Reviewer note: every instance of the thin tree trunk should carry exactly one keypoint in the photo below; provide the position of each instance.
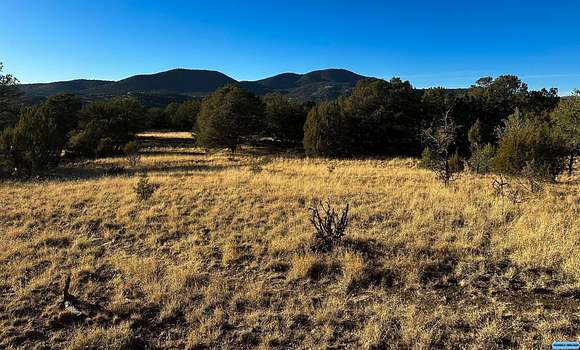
(571, 165)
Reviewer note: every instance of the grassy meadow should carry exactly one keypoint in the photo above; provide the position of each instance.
(219, 257)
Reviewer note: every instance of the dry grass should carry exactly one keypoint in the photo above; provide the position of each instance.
(219, 257)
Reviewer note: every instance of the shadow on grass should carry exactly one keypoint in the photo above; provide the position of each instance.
(72, 172)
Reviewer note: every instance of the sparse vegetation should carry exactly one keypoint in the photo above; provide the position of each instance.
(220, 257)
(144, 189)
(226, 254)
(439, 156)
(566, 119)
(329, 226)
(131, 150)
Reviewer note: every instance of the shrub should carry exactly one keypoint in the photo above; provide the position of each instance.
(227, 117)
(84, 142)
(439, 141)
(65, 109)
(329, 226)
(34, 144)
(9, 99)
(566, 118)
(115, 120)
(144, 189)
(481, 159)
(184, 116)
(328, 131)
(427, 160)
(285, 119)
(456, 163)
(131, 150)
(528, 143)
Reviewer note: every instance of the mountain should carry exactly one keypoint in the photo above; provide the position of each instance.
(72, 86)
(315, 86)
(180, 84)
(176, 81)
(280, 81)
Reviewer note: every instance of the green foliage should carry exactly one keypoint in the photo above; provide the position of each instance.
(9, 100)
(227, 117)
(455, 163)
(184, 116)
(105, 147)
(284, 119)
(386, 117)
(526, 142)
(566, 118)
(434, 103)
(65, 109)
(541, 102)
(34, 144)
(474, 134)
(131, 150)
(328, 131)
(427, 160)
(481, 159)
(156, 119)
(379, 117)
(84, 142)
(144, 189)
(106, 126)
(119, 118)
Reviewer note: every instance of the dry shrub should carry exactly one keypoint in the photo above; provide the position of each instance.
(330, 227)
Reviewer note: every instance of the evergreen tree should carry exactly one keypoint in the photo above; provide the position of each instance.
(34, 143)
(9, 99)
(566, 118)
(284, 119)
(227, 117)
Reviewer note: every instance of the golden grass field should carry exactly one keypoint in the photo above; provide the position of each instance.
(219, 257)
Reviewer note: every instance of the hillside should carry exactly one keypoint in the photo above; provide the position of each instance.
(317, 85)
(177, 81)
(72, 86)
(219, 257)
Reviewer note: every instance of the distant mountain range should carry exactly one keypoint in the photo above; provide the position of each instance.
(182, 84)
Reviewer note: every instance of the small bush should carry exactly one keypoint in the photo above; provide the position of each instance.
(131, 150)
(144, 189)
(427, 160)
(439, 142)
(481, 159)
(456, 163)
(330, 227)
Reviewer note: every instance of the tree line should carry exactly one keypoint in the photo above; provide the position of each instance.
(497, 124)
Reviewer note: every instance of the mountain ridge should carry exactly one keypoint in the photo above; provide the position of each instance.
(315, 85)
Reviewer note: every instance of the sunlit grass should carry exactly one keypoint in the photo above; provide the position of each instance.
(219, 256)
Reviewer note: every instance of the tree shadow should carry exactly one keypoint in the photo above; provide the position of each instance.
(172, 142)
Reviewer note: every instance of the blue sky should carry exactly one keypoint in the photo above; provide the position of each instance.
(430, 43)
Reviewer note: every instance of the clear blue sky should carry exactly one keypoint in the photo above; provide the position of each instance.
(430, 43)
